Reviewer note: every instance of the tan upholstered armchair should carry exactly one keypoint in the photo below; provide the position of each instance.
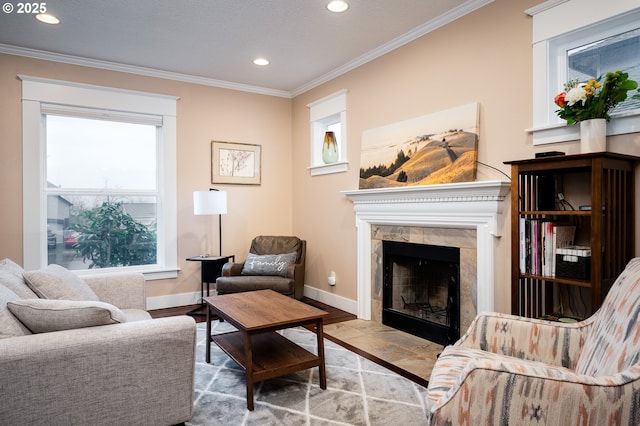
(508, 370)
(273, 262)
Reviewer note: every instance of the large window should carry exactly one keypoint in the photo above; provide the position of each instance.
(102, 192)
(580, 39)
(99, 178)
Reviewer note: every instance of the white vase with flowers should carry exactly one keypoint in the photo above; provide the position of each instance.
(590, 103)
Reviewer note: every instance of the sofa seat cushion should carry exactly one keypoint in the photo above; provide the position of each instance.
(239, 284)
(9, 324)
(136, 315)
(57, 282)
(268, 264)
(11, 277)
(45, 315)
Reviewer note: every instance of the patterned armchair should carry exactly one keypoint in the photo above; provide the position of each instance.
(514, 370)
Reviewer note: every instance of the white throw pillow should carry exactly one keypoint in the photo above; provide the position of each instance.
(56, 282)
(45, 315)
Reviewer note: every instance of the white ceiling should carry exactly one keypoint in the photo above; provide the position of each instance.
(215, 41)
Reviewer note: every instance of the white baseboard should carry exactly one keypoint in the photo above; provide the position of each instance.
(173, 300)
(330, 299)
(184, 299)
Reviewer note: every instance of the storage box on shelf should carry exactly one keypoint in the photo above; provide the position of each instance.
(555, 193)
(573, 262)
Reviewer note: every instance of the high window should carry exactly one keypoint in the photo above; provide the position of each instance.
(99, 178)
(620, 51)
(581, 39)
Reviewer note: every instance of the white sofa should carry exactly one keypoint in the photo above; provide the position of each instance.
(136, 371)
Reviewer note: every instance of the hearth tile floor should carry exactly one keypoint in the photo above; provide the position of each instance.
(406, 351)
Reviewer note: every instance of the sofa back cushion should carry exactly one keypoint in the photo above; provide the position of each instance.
(9, 325)
(56, 282)
(613, 345)
(11, 277)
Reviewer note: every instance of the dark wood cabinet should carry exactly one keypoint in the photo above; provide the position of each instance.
(593, 192)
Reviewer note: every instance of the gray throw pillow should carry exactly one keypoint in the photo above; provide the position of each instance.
(56, 282)
(11, 277)
(44, 315)
(9, 265)
(9, 325)
(268, 264)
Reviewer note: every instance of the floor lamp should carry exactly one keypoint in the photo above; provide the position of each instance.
(211, 202)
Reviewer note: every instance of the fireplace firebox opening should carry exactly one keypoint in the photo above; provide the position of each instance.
(421, 290)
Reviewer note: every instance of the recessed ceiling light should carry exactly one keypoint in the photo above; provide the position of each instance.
(338, 6)
(47, 18)
(261, 61)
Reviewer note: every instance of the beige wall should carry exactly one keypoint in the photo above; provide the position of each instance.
(204, 114)
(484, 57)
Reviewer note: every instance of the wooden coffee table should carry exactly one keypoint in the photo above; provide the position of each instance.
(256, 347)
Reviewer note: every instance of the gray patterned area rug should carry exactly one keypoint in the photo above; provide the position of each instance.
(359, 392)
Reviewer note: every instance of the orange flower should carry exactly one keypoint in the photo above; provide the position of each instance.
(559, 99)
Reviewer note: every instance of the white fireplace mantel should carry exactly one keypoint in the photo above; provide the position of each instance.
(470, 205)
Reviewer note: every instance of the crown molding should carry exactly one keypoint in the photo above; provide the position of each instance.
(549, 4)
(132, 69)
(426, 28)
(442, 20)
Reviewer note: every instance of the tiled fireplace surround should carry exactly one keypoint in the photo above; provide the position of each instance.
(464, 215)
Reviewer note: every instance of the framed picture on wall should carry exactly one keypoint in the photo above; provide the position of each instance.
(237, 163)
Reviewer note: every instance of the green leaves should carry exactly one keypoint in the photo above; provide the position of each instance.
(599, 100)
(111, 237)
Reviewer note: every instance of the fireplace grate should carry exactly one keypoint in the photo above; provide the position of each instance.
(426, 310)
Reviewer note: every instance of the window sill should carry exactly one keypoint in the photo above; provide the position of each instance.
(149, 274)
(325, 169)
(620, 124)
(160, 274)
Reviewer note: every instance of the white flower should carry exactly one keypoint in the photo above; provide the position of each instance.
(576, 94)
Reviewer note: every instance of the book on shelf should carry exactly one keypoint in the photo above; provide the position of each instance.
(538, 241)
(547, 247)
(522, 253)
(563, 236)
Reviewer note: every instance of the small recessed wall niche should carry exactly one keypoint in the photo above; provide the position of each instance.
(328, 114)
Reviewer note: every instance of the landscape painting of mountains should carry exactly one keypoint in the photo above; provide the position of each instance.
(433, 149)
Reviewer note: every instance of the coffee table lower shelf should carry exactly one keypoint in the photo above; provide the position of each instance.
(273, 354)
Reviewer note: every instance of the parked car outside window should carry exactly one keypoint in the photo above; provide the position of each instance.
(71, 239)
(51, 239)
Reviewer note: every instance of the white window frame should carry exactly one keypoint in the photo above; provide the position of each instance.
(323, 113)
(39, 94)
(557, 26)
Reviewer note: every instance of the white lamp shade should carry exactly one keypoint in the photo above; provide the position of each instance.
(209, 202)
